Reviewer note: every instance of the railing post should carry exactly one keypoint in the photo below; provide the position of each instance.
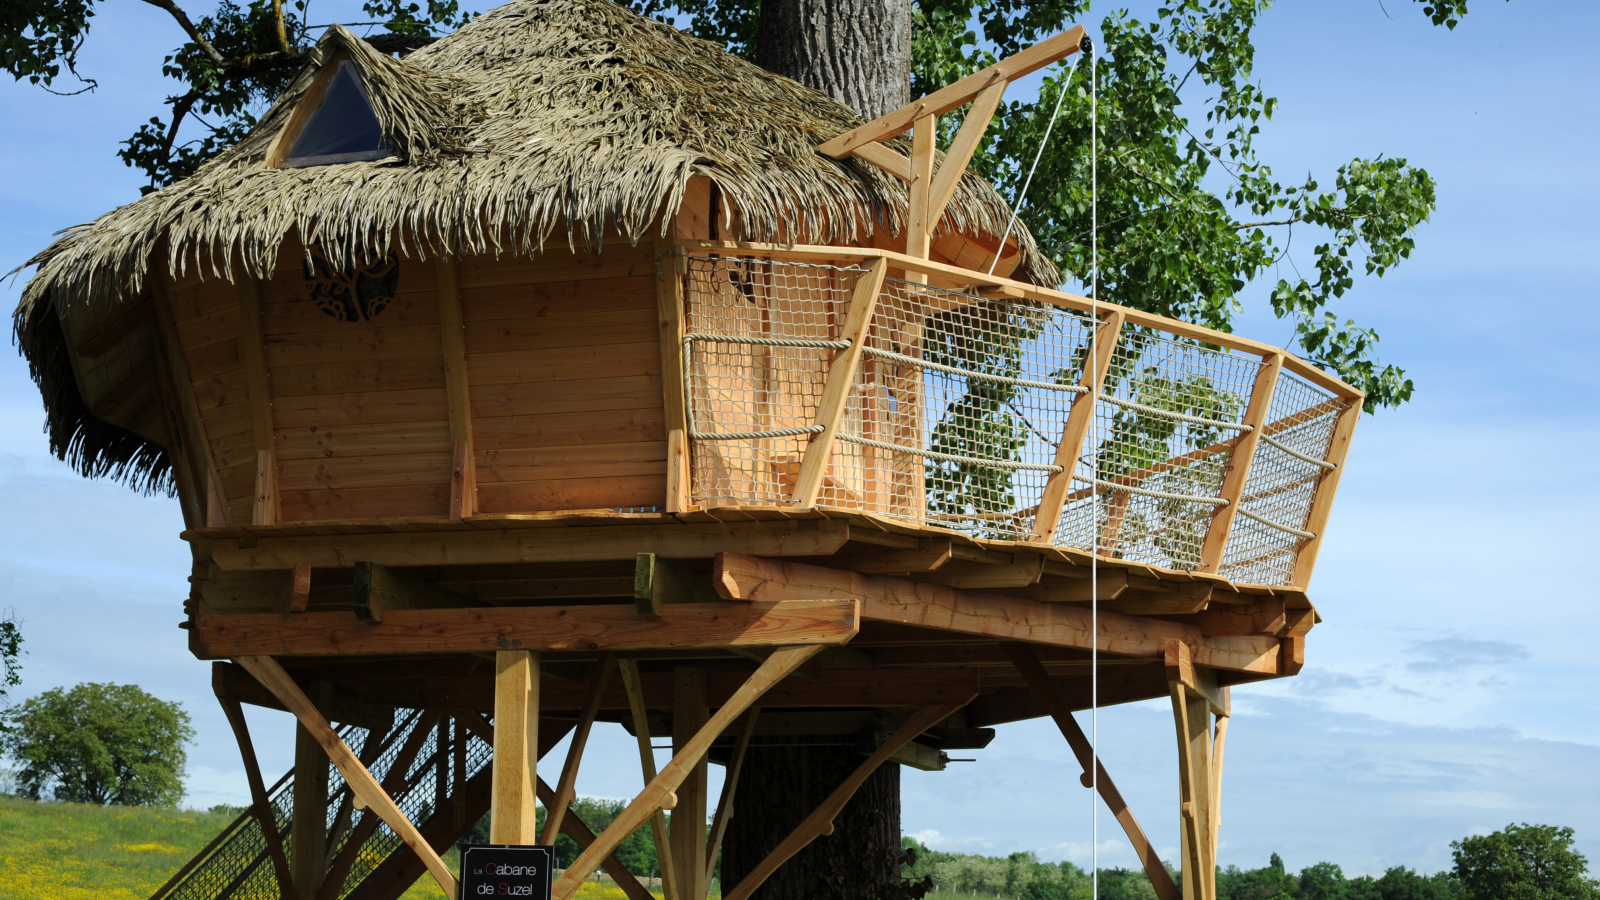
(836, 390)
(1244, 453)
(1327, 486)
(1076, 430)
(669, 311)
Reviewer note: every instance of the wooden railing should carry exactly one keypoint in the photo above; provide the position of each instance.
(870, 381)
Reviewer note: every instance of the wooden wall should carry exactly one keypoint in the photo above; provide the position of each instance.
(563, 371)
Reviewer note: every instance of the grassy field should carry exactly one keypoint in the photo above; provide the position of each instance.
(65, 851)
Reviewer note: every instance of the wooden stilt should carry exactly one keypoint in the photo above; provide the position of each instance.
(372, 795)
(308, 832)
(647, 763)
(1027, 662)
(260, 804)
(516, 740)
(820, 822)
(689, 815)
(556, 807)
(1191, 714)
(658, 794)
(730, 783)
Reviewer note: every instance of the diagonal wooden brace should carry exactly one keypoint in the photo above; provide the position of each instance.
(730, 784)
(1027, 663)
(658, 794)
(366, 788)
(567, 785)
(820, 822)
(647, 764)
(260, 804)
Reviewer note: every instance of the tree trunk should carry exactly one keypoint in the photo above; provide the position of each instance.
(856, 51)
(779, 787)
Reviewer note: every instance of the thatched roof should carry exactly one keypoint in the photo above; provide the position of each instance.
(542, 121)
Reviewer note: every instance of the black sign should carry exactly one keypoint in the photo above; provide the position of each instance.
(506, 871)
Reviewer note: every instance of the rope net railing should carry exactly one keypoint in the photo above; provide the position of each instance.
(958, 406)
(239, 866)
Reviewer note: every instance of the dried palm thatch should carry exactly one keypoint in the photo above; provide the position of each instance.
(542, 120)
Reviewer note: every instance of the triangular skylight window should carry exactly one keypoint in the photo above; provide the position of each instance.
(343, 129)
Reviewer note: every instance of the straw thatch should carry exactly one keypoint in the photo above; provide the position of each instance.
(542, 121)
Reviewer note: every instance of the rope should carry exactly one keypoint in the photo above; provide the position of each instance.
(1022, 195)
(755, 435)
(980, 376)
(1278, 525)
(948, 457)
(1182, 417)
(1094, 463)
(1298, 455)
(764, 342)
(1146, 492)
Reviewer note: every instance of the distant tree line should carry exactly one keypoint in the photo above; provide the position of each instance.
(1521, 862)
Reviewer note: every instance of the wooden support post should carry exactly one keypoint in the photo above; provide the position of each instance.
(516, 747)
(689, 815)
(453, 337)
(730, 784)
(919, 225)
(658, 794)
(830, 408)
(1191, 711)
(820, 822)
(1027, 662)
(1244, 453)
(647, 763)
(308, 830)
(671, 268)
(366, 788)
(260, 803)
(1075, 432)
(567, 785)
(380, 589)
(1328, 485)
(252, 349)
(1218, 738)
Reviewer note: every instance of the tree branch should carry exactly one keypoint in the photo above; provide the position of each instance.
(180, 108)
(188, 26)
(1243, 225)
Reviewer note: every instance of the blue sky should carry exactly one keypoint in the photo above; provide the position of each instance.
(1450, 690)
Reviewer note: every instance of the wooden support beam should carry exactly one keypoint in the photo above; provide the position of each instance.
(260, 803)
(339, 867)
(1201, 682)
(1024, 569)
(299, 591)
(1238, 474)
(1218, 738)
(566, 787)
(657, 582)
(689, 715)
(836, 389)
(1191, 716)
(730, 784)
(892, 161)
(961, 149)
(559, 544)
(929, 554)
(516, 743)
(1328, 485)
(647, 763)
(609, 627)
(671, 267)
(989, 615)
(1027, 662)
(820, 821)
(658, 794)
(1080, 420)
(453, 340)
(253, 353)
(381, 590)
(366, 788)
(919, 226)
(582, 835)
(308, 827)
(958, 94)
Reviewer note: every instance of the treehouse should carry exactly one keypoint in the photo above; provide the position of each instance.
(571, 369)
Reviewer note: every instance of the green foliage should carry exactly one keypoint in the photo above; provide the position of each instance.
(1523, 862)
(106, 744)
(10, 658)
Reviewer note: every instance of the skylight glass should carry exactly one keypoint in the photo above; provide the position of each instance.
(343, 129)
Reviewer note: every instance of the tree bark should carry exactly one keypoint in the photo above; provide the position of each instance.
(779, 787)
(856, 51)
